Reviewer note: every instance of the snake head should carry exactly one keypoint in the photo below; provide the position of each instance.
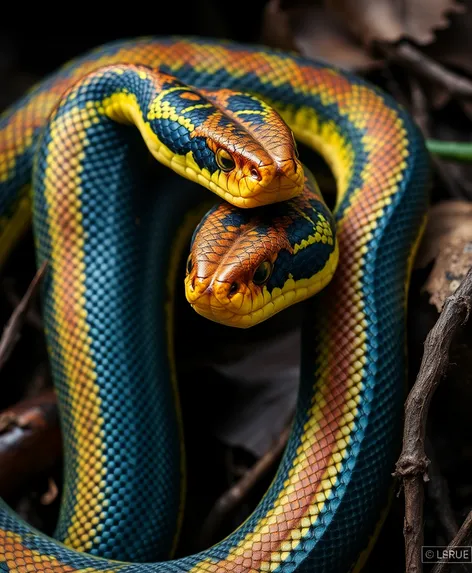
(254, 149)
(233, 143)
(246, 265)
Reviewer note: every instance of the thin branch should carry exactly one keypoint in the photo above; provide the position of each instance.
(12, 329)
(424, 66)
(237, 493)
(33, 317)
(413, 463)
(463, 537)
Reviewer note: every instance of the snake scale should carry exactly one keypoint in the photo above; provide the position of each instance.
(326, 499)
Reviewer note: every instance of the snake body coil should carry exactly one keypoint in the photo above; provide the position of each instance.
(328, 493)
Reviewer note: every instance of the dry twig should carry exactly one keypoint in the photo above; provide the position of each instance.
(463, 537)
(424, 66)
(33, 316)
(236, 494)
(413, 463)
(13, 327)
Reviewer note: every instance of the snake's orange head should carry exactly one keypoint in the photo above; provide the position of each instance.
(246, 265)
(253, 157)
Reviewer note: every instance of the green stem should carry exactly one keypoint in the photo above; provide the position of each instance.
(450, 149)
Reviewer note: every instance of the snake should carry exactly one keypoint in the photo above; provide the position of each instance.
(227, 116)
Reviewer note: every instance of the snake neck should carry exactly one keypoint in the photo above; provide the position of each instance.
(94, 223)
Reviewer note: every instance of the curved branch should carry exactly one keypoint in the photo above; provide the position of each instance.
(412, 464)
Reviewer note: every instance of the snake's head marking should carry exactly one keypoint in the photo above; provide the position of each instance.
(233, 143)
(253, 157)
(248, 175)
(246, 265)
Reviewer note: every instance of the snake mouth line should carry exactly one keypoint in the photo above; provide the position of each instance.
(228, 314)
(258, 198)
(280, 189)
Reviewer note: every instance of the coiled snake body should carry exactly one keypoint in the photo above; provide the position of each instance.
(324, 503)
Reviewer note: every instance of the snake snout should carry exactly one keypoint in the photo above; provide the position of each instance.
(222, 291)
(275, 182)
(217, 300)
(225, 291)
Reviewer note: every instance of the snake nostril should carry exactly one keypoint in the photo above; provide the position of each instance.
(233, 289)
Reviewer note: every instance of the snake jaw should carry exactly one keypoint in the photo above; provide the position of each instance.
(272, 182)
(223, 283)
(252, 182)
(277, 183)
(252, 305)
(225, 302)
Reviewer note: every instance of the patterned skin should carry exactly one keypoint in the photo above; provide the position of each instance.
(333, 480)
(251, 264)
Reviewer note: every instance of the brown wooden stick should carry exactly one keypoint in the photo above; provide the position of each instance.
(236, 494)
(424, 66)
(13, 327)
(463, 537)
(30, 441)
(413, 463)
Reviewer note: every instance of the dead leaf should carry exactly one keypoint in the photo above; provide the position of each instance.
(311, 30)
(261, 388)
(453, 46)
(453, 49)
(341, 31)
(450, 268)
(444, 219)
(277, 27)
(390, 20)
(448, 240)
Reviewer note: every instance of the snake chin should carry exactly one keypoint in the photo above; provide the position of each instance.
(214, 300)
(250, 195)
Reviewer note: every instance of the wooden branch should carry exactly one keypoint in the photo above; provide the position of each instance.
(407, 55)
(236, 494)
(413, 463)
(463, 537)
(12, 329)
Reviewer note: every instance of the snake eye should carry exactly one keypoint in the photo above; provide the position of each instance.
(189, 265)
(295, 147)
(224, 160)
(262, 273)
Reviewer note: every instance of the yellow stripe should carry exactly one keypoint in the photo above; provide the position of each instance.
(162, 109)
(251, 112)
(73, 335)
(321, 236)
(300, 467)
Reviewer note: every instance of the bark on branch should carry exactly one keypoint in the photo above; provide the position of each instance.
(412, 464)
